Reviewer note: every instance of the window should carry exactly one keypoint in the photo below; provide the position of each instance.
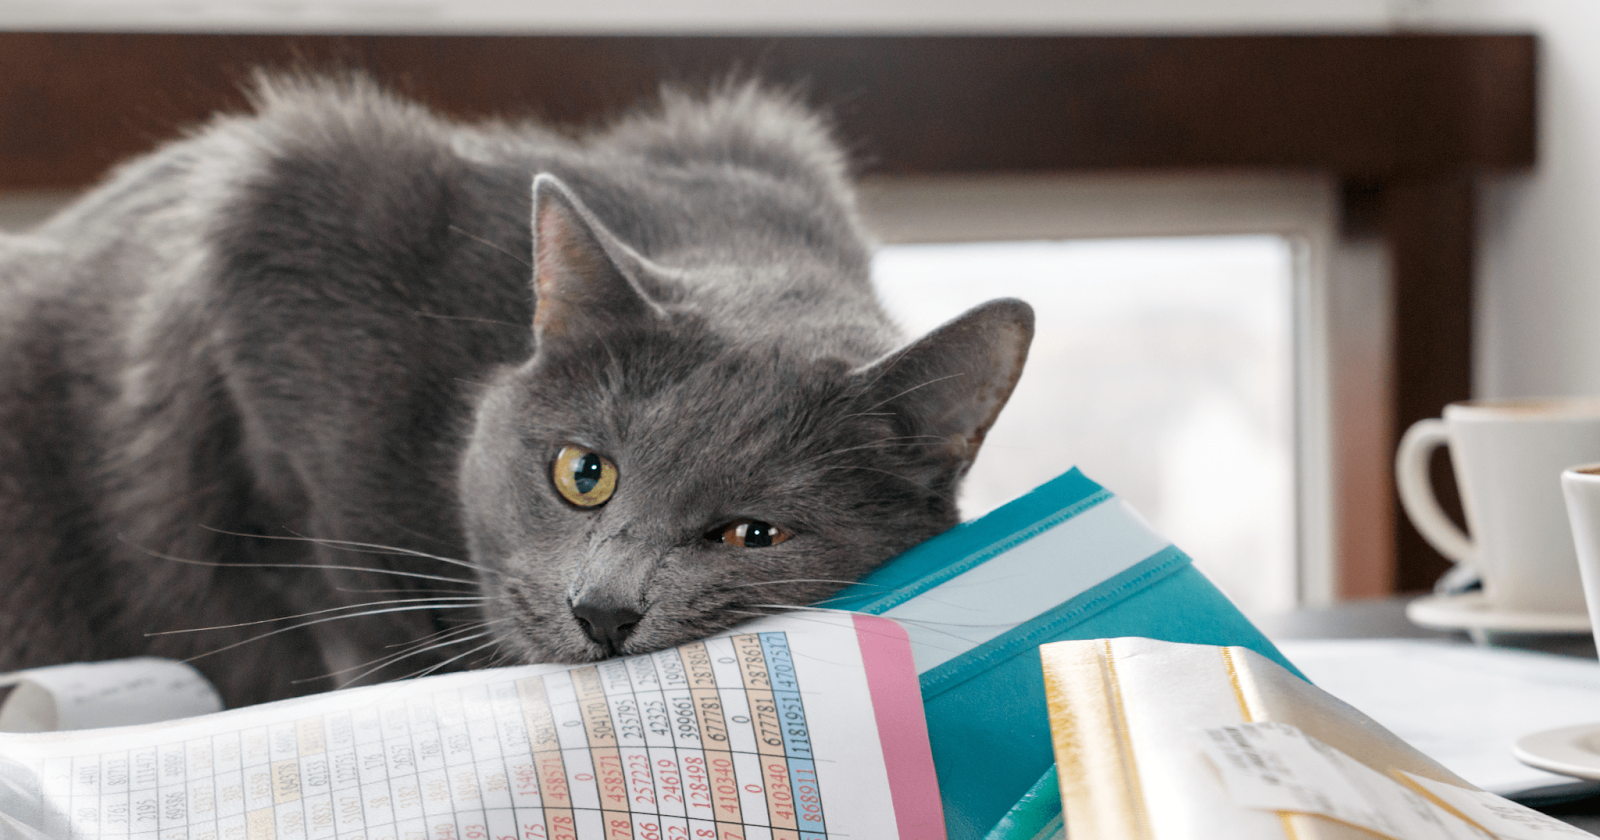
(1162, 367)
(1228, 445)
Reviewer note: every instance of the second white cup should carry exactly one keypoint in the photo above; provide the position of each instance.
(1581, 486)
(1508, 458)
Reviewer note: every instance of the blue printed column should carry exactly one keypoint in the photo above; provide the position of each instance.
(773, 759)
(796, 736)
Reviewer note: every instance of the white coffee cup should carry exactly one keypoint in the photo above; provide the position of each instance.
(1508, 458)
(1581, 485)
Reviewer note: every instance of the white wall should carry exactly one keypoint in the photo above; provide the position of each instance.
(1538, 291)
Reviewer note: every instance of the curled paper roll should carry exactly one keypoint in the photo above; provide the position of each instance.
(89, 695)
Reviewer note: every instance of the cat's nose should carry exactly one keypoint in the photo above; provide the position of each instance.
(607, 623)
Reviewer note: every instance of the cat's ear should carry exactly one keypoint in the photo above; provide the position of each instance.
(580, 270)
(949, 385)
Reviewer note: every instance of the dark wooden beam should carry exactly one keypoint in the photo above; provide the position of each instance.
(1406, 120)
(1369, 107)
(1428, 223)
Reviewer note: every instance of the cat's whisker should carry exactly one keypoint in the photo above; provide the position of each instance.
(788, 580)
(438, 665)
(303, 566)
(882, 443)
(403, 591)
(314, 622)
(358, 548)
(428, 600)
(379, 664)
(760, 614)
(439, 634)
(379, 548)
(807, 608)
(885, 368)
(967, 644)
(886, 589)
(929, 623)
(486, 243)
(435, 636)
(925, 488)
(884, 402)
(401, 657)
(411, 647)
(501, 656)
(385, 660)
(419, 313)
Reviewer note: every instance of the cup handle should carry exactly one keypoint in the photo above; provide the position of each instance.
(1416, 491)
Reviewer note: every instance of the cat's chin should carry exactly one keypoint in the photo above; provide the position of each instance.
(574, 648)
(523, 650)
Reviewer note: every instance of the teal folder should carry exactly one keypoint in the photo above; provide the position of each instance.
(1067, 561)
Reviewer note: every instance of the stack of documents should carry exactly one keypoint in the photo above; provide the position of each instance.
(1161, 741)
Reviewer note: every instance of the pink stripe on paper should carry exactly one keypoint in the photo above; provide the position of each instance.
(902, 729)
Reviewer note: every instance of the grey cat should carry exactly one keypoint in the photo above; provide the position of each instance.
(311, 374)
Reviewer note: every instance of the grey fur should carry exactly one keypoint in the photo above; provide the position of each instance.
(314, 321)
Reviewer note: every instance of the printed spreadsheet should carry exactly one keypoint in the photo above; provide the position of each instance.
(713, 740)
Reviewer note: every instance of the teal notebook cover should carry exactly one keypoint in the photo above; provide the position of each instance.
(1067, 561)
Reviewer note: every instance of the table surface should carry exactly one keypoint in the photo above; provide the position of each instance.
(1385, 619)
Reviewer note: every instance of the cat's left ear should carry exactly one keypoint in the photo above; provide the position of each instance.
(951, 383)
(581, 271)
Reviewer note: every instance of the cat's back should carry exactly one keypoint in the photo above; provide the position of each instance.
(741, 195)
(336, 212)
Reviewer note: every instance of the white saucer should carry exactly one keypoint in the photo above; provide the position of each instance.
(1469, 611)
(1570, 750)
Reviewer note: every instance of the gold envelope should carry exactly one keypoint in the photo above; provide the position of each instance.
(1124, 714)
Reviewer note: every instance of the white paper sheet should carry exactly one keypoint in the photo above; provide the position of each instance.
(769, 733)
(96, 694)
(1276, 767)
(1462, 705)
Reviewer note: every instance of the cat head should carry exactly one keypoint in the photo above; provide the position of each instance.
(648, 477)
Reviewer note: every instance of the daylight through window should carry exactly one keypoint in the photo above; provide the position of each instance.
(1162, 367)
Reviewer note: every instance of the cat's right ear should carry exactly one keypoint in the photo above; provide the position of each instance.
(580, 270)
(949, 385)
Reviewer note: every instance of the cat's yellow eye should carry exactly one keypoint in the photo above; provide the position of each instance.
(584, 478)
(749, 533)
